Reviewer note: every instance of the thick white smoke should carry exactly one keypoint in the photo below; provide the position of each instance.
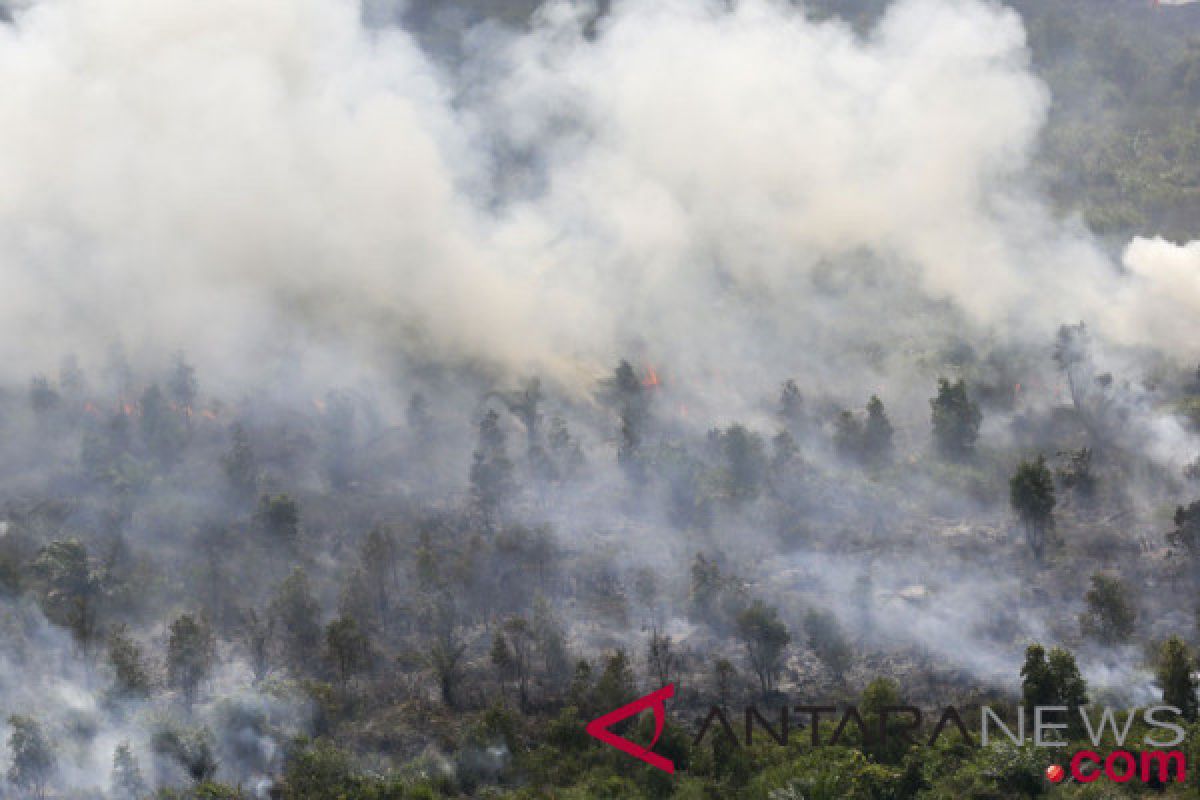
(231, 176)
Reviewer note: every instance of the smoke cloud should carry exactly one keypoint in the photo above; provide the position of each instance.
(688, 179)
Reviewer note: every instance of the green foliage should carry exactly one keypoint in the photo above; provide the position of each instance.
(631, 400)
(347, 648)
(240, 466)
(191, 651)
(828, 641)
(1110, 615)
(295, 620)
(278, 516)
(766, 638)
(491, 475)
(1186, 534)
(32, 757)
(1053, 681)
(71, 588)
(1031, 494)
(126, 780)
(130, 676)
(877, 433)
(1175, 673)
(743, 462)
(956, 420)
(616, 686)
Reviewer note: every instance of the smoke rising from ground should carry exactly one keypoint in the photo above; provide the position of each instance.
(732, 195)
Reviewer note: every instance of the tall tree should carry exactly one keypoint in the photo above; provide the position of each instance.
(743, 460)
(1110, 616)
(956, 420)
(766, 638)
(43, 398)
(512, 654)
(1185, 536)
(828, 642)
(191, 651)
(791, 405)
(295, 621)
(877, 433)
(162, 433)
(348, 648)
(278, 515)
(491, 475)
(127, 781)
(239, 465)
(130, 676)
(1053, 681)
(632, 402)
(1031, 494)
(182, 384)
(1175, 674)
(71, 589)
(380, 563)
(32, 756)
(447, 650)
(661, 657)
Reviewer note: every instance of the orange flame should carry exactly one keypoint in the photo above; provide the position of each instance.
(651, 380)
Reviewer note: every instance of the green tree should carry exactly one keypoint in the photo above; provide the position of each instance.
(632, 403)
(1186, 534)
(127, 781)
(239, 465)
(512, 654)
(766, 638)
(1070, 687)
(551, 643)
(71, 589)
(1031, 494)
(257, 632)
(1076, 474)
(278, 515)
(743, 460)
(1110, 616)
(848, 436)
(347, 648)
(380, 557)
(43, 398)
(491, 475)
(33, 760)
(828, 642)
(877, 434)
(1037, 683)
(295, 620)
(182, 384)
(661, 657)
(162, 432)
(1053, 681)
(130, 676)
(191, 651)
(791, 405)
(956, 420)
(1175, 676)
(616, 685)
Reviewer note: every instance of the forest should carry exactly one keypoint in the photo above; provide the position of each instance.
(390, 389)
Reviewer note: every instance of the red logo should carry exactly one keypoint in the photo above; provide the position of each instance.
(599, 728)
